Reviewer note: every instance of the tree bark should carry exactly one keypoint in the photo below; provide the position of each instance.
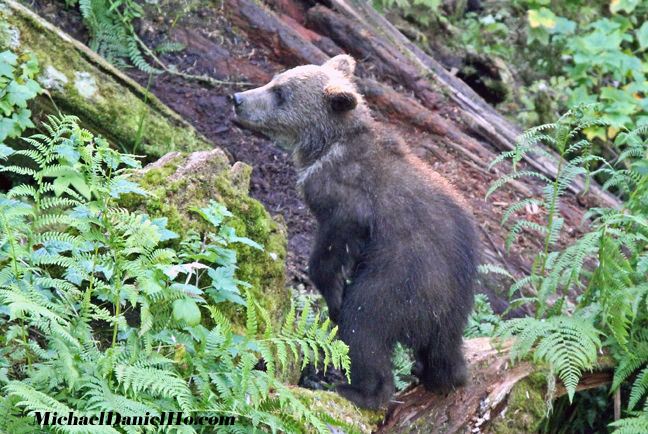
(499, 397)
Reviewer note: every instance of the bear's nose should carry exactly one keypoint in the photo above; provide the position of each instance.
(236, 99)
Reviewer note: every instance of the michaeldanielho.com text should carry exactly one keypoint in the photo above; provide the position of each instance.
(113, 418)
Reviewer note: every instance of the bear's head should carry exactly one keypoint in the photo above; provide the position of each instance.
(306, 103)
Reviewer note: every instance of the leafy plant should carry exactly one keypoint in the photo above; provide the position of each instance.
(595, 286)
(482, 321)
(487, 34)
(419, 10)
(17, 87)
(110, 23)
(98, 315)
(607, 67)
(403, 361)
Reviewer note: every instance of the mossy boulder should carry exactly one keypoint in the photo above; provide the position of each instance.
(81, 83)
(344, 416)
(526, 406)
(178, 182)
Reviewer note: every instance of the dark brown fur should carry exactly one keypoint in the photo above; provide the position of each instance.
(396, 251)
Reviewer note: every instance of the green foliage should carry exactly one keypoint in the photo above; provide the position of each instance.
(588, 413)
(488, 34)
(582, 57)
(631, 425)
(606, 266)
(482, 321)
(110, 23)
(17, 87)
(568, 344)
(418, 10)
(607, 66)
(97, 315)
(403, 361)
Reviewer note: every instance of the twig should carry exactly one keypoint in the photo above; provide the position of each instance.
(204, 78)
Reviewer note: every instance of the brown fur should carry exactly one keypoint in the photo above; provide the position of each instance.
(396, 252)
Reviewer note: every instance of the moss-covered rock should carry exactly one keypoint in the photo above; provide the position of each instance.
(525, 408)
(179, 182)
(80, 82)
(343, 415)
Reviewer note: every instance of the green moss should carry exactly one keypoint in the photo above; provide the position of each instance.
(109, 103)
(341, 413)
(173, 196)
(525, 408)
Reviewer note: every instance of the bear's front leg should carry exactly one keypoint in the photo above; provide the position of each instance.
(326, 271)
(332, 262)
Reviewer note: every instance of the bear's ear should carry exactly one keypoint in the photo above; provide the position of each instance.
(343, 63)
(340, 99)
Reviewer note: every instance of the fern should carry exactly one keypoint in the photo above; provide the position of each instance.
(74, 266)
(605, 266)
(111, 24)
(631, 425)
(568, 344)
(112, 33)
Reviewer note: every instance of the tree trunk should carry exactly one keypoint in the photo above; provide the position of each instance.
(364, 32)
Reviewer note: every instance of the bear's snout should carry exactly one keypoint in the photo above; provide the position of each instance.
(236, 99)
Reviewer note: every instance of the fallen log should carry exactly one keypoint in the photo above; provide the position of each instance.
(500, 397)
(78, 81)
(365, 33)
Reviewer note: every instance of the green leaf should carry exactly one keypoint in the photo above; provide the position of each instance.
(564, 26)
(642, 36)
(5, 151)
(68, 152)
(214, 213)
(542, 17)
(124, 186)
(18, 94)
(8, 128)
(8, 58)
(5, 107)
(163, 232)
(186, 310)
(23, 118)
(62, 182)
(6, 70)
(623, 5)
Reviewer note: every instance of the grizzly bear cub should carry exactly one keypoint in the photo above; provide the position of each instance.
(396, 251)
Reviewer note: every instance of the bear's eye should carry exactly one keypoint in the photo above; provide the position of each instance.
(279, 95)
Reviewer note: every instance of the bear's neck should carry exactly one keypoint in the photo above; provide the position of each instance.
(321, 142)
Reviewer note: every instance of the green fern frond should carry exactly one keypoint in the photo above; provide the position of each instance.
(506, 179)
(156, 382)
(568, 344)
(631, 425)
(34, 401)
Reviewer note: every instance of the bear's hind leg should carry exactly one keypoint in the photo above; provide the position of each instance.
(441, 368)
(372, 382)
